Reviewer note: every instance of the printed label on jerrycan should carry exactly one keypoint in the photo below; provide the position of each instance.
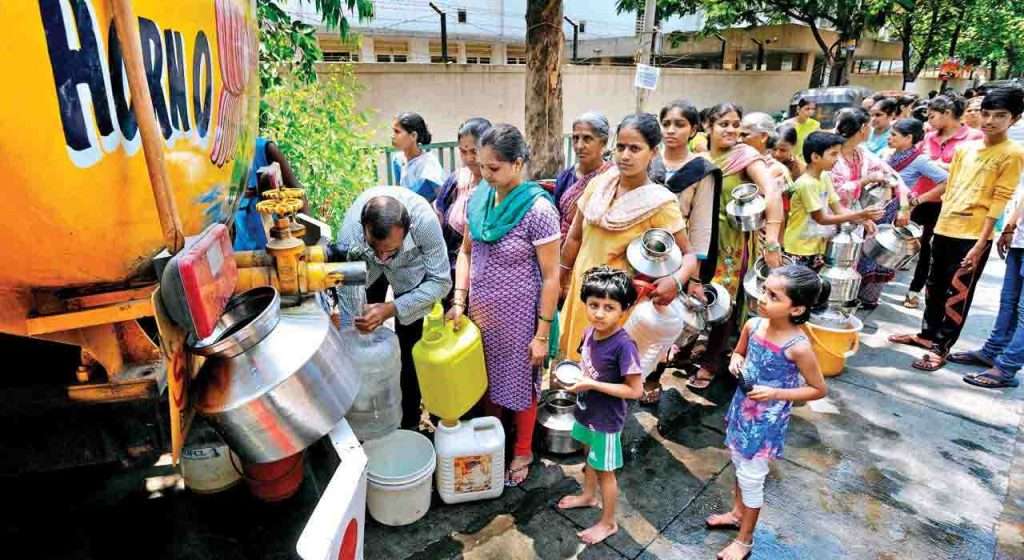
(472, 473)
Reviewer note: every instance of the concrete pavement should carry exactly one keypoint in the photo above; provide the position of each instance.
(895, 463)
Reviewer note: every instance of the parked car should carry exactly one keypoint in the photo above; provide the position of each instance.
(830, 100)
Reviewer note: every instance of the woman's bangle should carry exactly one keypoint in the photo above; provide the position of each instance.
(458, 304)
(463, 290)
(564, 266)
(542, 338)
(545, 319)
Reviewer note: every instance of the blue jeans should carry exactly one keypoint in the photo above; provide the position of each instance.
(1005, 346)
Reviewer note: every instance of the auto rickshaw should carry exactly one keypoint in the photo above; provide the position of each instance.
(829, 101)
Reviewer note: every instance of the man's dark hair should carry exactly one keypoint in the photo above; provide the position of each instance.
(381, 214)
(607, 282)
(819, 141)
(1007, 98)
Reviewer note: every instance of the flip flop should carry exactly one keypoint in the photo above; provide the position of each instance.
(911, 340)
(509, 483)
(929, 362)
(969, 358)
(700, 383)
(650, 396)
(991, 379)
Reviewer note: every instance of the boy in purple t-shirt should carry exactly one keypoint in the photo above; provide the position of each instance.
(611, 374)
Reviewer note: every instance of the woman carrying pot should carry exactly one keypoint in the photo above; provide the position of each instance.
(737, 250)
(589, 138)
(415, 169)
(508, 268)
(617, 207)
(452, 203)
(858, 174)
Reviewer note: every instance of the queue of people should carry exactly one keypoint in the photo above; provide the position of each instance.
(544, 273)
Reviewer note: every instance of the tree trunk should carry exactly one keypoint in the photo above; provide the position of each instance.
(544, 87)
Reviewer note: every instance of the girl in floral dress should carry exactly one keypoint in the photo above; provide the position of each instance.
(770, 359)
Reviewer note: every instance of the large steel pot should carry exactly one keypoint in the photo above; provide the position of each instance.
(876, 194)
(893, 247)
(694, 314)
(655, 253)
(275, 380)
(844, 247)
(555, 419)
(753, 282)
(745, 211)
(844, 281)
(719, 304)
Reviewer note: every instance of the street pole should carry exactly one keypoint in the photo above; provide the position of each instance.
(575, 37)
(444, 33)
(645, 46)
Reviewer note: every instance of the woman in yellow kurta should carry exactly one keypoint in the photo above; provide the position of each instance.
(618, 206)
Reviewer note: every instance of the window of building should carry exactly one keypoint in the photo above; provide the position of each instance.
(341, 56)
(478, 53)
(462, 16)
(391, 51)
(515, 54)
(435, 52)
(583, 26)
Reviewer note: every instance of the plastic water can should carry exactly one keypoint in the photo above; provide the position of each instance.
(449, 365)
(470, 460)
(654, 328)
(377, 410)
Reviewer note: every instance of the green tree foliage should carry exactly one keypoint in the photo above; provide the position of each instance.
(289, 46)
(325, 138)
(993, 35)
(850, 19)
(924, 27)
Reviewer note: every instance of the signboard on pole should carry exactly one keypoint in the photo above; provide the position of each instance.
(646, 77)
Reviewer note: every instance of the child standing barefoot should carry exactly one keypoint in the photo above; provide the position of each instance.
(611, 374)
(770, 359)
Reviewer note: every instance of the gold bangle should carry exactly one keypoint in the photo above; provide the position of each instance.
(564, 266)
(542, 338)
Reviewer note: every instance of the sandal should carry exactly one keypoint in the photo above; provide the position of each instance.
(930, 362)
(510, 481)
(701, 382)
(912, 301)
(969, 358)
(743, 545)
(732, 525)
(991, 379)
(911, 340)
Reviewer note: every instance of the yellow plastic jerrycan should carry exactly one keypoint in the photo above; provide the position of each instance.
(450, 366)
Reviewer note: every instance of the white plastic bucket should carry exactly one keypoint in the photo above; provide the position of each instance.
(400, 474)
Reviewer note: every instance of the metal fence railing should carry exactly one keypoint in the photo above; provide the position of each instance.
(447, 155)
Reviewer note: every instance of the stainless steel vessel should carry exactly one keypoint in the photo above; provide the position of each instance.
(893, 247)
(745, 211)
(845, 283)
(555, 419)
(275, 380)
(844, 248)
(655, 253)
(719, 304)
(753, 282)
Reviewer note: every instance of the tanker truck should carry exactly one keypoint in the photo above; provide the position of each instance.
(126, 137)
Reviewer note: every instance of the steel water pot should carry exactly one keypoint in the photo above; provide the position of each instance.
(753, 282)
(892, 246)
(844, 282)
(719, 304)
(275, 380)
(844, 248)
(655, 253)
(555, 419)
(746, 210)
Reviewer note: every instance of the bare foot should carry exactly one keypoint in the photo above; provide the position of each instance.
(581, 501)
(736, 550)
(599, 532)
(727, 520)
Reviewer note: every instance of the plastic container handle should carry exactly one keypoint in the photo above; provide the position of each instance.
(856, 346)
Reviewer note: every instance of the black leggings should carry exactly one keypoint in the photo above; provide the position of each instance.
(925, 215)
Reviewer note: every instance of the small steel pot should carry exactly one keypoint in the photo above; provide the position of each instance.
(844, 281)
(844, 248)
(719, 304)
(893, 247)
(878, 193)
(655, 253)
(567, 373)
(555, 419)
(694, 322)
(746, 210)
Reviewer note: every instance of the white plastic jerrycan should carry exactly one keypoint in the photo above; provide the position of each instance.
(470, 460)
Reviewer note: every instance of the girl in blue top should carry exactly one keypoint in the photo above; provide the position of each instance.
(770, 359)
(415, 169)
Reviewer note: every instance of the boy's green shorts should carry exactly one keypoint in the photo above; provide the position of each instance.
(605, 449)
